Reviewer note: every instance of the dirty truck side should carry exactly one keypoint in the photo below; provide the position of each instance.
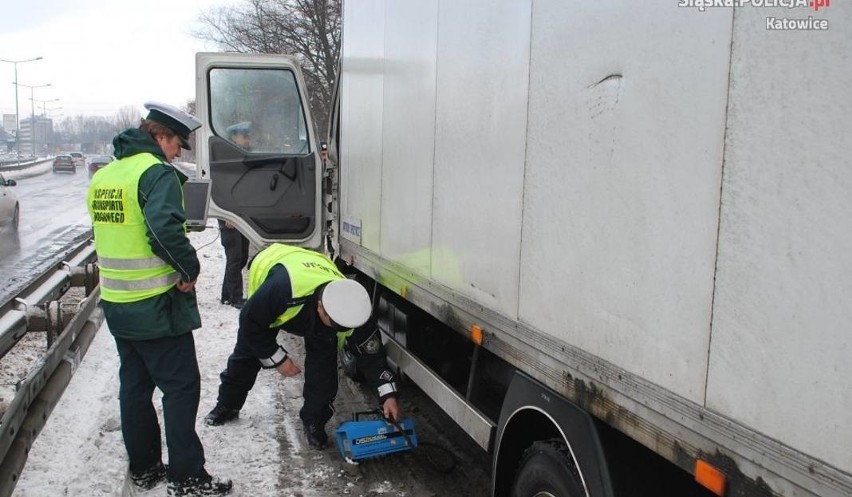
(611, 239)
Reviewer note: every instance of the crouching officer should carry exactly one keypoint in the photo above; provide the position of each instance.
(303, 293)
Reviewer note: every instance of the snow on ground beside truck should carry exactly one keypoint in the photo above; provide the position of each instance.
(80, 451)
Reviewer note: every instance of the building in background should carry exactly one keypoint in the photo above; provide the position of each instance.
(7, 135)
(9, 123)
(7, 142)
(40, 144)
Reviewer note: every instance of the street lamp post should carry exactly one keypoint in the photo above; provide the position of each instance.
(32, 111)
(44, 117)
(17, 125)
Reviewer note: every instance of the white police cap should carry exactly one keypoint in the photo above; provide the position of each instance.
(346, 302)
(242, 128)
(181, 122)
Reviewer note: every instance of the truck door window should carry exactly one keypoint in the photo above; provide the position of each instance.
(264, 104)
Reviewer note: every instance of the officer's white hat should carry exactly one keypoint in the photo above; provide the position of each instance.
(346, 303)
(179, 121)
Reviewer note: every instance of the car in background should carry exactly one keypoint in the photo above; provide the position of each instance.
(79, 158)
(10, 210)
(97, 162)
(64, 163)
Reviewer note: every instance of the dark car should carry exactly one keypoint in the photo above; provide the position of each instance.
(64, 163)
(98, 162)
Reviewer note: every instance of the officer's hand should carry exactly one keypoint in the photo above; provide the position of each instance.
(185, 287)
(288, 368)
(391, 409)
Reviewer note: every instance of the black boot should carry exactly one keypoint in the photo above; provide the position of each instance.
(202, 486)
(221, 415)
(315, 433)
(149, 478)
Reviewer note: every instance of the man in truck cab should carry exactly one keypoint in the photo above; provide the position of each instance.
(236, 245)
(240, 134)
(303, 293)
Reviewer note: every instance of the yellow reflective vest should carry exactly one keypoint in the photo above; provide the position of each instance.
(307, 269)
(129, 269)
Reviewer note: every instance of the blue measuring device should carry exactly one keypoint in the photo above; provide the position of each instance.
(361, 439)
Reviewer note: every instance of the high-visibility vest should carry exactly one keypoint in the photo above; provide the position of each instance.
(307, 269)
(129, 269)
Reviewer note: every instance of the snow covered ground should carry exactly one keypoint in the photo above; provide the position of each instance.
(30, 171)
(80, 451)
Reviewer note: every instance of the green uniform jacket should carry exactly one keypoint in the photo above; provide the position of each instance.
(174, 312)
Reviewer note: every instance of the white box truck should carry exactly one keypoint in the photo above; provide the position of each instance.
(613, 240)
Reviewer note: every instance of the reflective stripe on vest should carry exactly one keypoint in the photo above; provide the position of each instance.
(148, 263)
(129, 269)
(146, 284)
(308, 270)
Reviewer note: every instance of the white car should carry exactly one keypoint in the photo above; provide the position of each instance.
(9, 208)
(79, 158)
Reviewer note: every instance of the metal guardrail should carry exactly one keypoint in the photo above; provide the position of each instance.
(15, 166)
(69, 331)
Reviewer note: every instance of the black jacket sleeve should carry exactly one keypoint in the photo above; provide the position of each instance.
(260, 310)
(371, 360)
(161, 199)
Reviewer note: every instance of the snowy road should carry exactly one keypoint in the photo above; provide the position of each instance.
(80, 451)
(53, 213)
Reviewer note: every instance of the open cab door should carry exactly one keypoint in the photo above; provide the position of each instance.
(257, 147)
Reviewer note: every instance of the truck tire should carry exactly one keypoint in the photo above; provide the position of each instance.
(547, 469)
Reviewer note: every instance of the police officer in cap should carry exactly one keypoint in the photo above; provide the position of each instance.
(302, 292)
(236, 245)
(240, 134)
(148, 271)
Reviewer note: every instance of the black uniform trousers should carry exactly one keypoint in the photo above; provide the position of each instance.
(236, 256)
(170, 364)
(320, 370)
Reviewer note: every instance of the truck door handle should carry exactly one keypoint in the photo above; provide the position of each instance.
(274, 182)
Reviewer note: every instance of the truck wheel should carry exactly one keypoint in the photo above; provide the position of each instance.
(347, 362)
(547, 470)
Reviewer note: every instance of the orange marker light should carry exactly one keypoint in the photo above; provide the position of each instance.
(710, 477)
(476, 334)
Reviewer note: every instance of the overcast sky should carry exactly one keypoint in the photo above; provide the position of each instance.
(99, 56)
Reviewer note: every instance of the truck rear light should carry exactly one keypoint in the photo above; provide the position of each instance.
(476, 334)
(710, 477)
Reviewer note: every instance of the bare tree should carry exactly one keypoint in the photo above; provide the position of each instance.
(126, 117)
(306, 29)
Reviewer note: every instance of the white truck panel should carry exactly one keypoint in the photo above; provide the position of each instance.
(626, 128)
(782, 320)
(483, 60)
(409, 136)
(568, 166)
(361, 91)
